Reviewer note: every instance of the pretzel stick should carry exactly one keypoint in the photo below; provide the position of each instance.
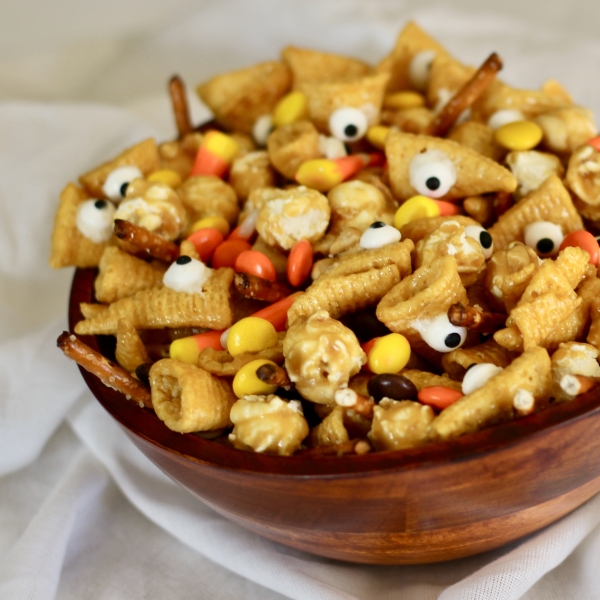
(180, 106)
(465, 96)
(574, 385)
(523, 402)
(475, 319)
(273, 375)
(107, 371)
(258, 288)
(348, 398)
(350, 447)
(151, 244)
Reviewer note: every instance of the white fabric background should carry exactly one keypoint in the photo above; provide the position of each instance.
(83, 515)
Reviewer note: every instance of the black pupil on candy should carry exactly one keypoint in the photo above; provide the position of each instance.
(123, 188)
(545, 245)
(433, 183)
(377, 225)
(183, 260)
(485, 239)
(100, 204)
(350, 130)
(452, 340)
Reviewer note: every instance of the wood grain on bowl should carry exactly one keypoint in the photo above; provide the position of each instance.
(434, 503)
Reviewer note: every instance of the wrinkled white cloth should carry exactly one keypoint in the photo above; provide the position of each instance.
(83, 514)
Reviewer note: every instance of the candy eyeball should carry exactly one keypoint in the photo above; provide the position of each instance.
(504, 117)
(442, 336)
(544, 237)
(186, 274)
(95, 220)
(483, 237)
(262, 128)
(379, 234)
(477, 376)
(419, 68)
(115, 186)
(432, 173)
(348, 124)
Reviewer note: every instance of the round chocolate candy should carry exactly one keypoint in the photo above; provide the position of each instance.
(391, 385)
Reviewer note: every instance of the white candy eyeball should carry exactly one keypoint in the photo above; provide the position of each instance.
(116, 183)
(348, 124)
(95, 220)
(379, 234)
(483, 237)
(504, 117)
(477, 376)
(442, 336)
(262, 128)
(419, 67)
(544, 237)
(432, 173)
(186, 274)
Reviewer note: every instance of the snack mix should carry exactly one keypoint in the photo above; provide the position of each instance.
(348, 258)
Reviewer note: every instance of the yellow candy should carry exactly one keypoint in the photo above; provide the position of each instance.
(377, 134)
(216, 222)
(251, 334)
(291, 108)
(402, 100)
(319, 174)
(415, 208)
(389, 354)
(171, 178)
(519, 135)
(185, 349)
(221, 144)
(246, 383)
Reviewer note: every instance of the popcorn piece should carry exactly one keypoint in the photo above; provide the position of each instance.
(130, 351)
(208, 196)
(565, 129)
(162, 307)
(478, 137)
(311, 66)
(583, 175)
(179, 155)
(572, 358)
(321, 355)
(493, 402)
(291, 145)
(294, 215)
(69, 246)
(532, 168)
(357, 204)
(268, 424)
(188, 399)
(549, 202)
(415, 160)
(450, 240)
(331, 430)
(144, 156)
(593, 336)
(401, 424)
(120, 275)
(251, 171)
(239, 98)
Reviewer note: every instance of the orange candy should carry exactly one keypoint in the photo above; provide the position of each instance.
(447, 209)
(595, 143)
(367, 347)
(206, 241)
(276, 313)
(299, 262)
(439, 396)
(256, 263)
(226, 253)
(584, 240)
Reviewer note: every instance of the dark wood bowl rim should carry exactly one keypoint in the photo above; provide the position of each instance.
(144, 424)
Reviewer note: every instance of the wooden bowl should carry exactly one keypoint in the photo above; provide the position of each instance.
(438, 502)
